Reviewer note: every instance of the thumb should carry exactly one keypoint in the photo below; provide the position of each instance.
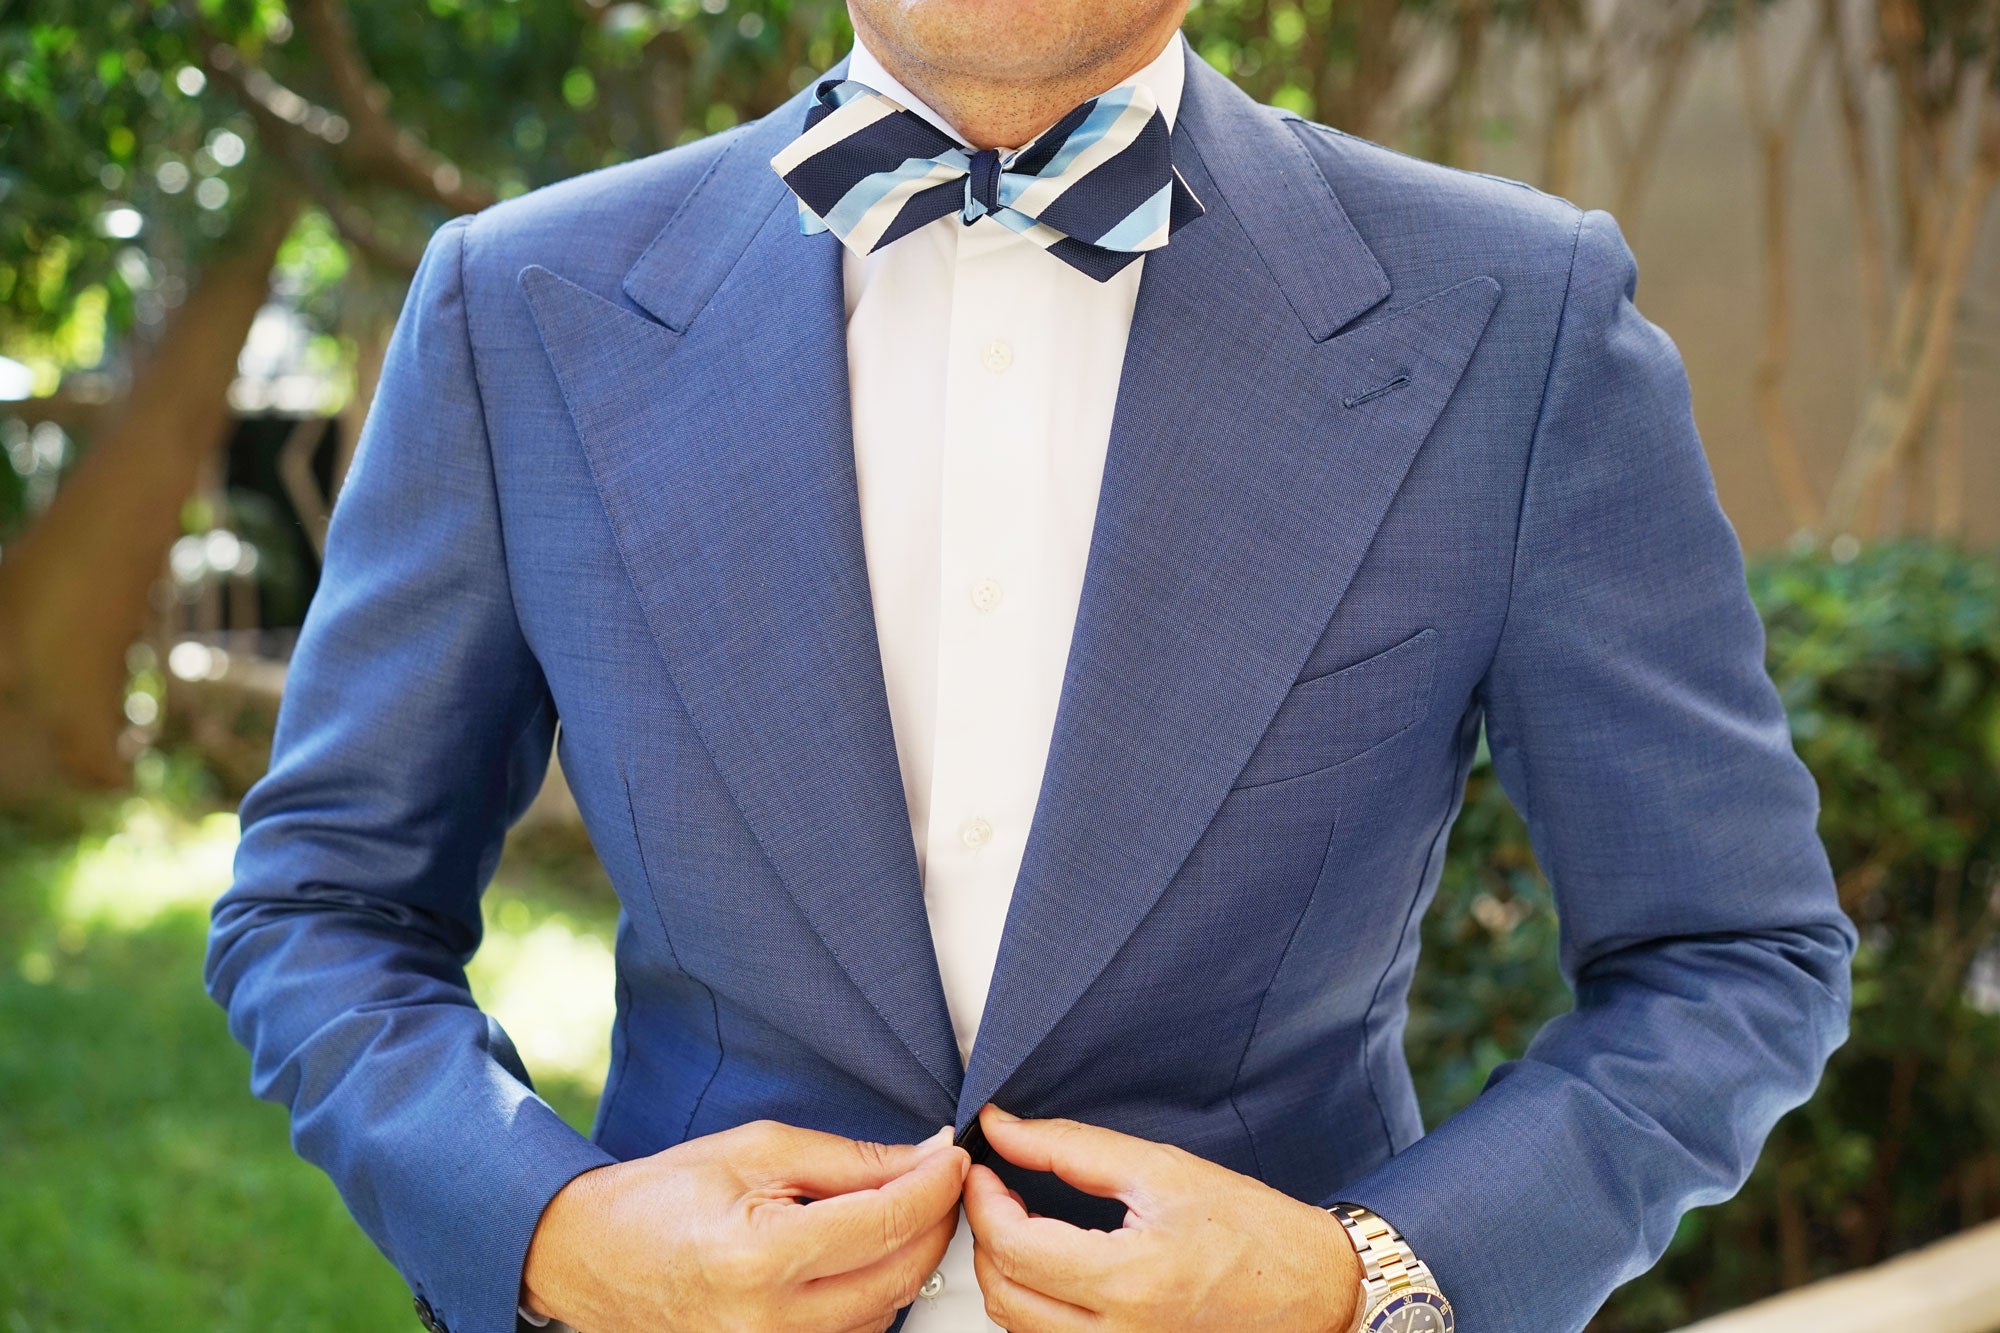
(819, 1165)
(1094, 1159)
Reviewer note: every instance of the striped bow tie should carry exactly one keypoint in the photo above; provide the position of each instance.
(1096, 190)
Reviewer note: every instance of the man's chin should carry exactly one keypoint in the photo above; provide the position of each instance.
(1007, 41)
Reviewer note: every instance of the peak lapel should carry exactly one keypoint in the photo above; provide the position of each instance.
(719, 440)
(1239, 496)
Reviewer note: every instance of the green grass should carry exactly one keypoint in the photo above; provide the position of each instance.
(141, 1186)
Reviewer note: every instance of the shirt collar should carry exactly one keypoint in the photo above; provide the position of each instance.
(1164, 75)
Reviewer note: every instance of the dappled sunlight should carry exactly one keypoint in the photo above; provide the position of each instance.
(545, 974)
(548, 979)
(155, 861)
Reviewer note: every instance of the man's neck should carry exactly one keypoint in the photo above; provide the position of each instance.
(988, 113)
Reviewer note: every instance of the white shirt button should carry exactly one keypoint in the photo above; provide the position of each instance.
(997, 356)
(986, 594)
(932, 1284)
(976, 833)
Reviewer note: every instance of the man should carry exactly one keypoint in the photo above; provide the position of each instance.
(1021, 542)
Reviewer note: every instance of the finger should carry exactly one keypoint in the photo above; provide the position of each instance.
(819, 1165)
(1094, 1159)
(1046, 1253)
(883, 1287)
(849, 1231)
(1012, 1193)
(989, 1204)
(1021, 1309)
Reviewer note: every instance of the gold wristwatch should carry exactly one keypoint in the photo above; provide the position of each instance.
(1398, 1294)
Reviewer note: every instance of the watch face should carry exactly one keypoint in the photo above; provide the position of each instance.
(1414, 1312)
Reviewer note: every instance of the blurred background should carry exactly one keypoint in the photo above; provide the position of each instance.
(210, 209)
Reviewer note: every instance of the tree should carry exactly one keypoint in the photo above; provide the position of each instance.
(154, 149)
(100, 237)
(163, 151)
(1941, 62)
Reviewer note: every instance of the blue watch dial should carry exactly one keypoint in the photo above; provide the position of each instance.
(1414, 1312)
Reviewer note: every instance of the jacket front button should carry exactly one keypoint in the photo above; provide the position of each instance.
(428, 1316)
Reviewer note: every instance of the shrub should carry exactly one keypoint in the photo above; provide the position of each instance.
(1889, 666)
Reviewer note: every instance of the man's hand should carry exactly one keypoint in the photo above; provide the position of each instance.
(1202, 1247)
(710, 1234)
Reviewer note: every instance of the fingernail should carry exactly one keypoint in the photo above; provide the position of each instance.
(999, 1114)
(937, 1140)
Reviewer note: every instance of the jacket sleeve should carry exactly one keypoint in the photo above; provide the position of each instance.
(1633, 725)
(415, 727)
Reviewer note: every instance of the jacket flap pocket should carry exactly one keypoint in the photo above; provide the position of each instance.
(1342, 714)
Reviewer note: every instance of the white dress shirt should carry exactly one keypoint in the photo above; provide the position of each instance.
(983, 372)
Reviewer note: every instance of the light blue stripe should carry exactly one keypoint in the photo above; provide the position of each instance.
(1141, 222)
(870, 190)
(1095, 126)
(1014, 220)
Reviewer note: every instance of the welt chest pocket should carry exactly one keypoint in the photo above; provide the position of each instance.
(1340, 715)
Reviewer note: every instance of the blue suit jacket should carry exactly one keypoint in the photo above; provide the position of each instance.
(1394, 453)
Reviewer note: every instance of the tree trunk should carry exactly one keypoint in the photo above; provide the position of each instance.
(75, 589)
(1872, 248)
(1456, 110)
(1670, 77)
(1948, 476)
(1906, 386)
(1774, 128)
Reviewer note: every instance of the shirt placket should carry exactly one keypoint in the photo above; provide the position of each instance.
(989, 604)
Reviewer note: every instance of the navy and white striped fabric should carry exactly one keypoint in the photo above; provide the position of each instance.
(1096, 190)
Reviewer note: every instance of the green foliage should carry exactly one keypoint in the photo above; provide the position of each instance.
(145, 1188)
(120, 163)
(106, 167)
(312, 264)
(33, 461)
(1488, 978)
(1290, 51)
(1889, 666)
(123, 165)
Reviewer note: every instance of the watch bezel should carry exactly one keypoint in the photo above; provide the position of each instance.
(1410, 1296)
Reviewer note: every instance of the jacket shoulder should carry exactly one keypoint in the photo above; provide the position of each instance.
(1430, 225)
(590, 228)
